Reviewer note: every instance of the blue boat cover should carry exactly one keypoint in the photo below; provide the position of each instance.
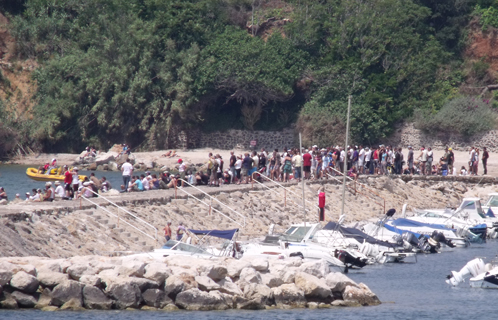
(402, 222)
(399, 231)
(479, 226)
(224, 234)
(357, 234)
(490, 213)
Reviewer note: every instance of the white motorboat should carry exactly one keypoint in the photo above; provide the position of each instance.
(482, 275)
(202, 248)
(298, 241)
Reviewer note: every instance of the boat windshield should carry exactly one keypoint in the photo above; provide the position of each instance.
(295, 234)
(492, 201)
(473, 205)
(180, 246)
(430, 214)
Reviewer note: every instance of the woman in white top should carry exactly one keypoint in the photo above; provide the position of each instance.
(238, 166)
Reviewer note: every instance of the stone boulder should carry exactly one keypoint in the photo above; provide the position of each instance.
(205, 283)
(235, 267)
(338, 281)
(258, 292)
(50, 278)
(289, 295)
(250, 275)
(94, 298)
(158, 272)
(217, 273)
(24, 282)
(66, 291)
(142, 283)
(318, 268)
(8, 302)
(156, 298)
(260, 264)
(91, 280)
(105, 158)
(362, 294)
(45, 299)
(178, 283)
(77, 270)
(132, 269)
(73, 304)
(195, 299)
(24, 300)
(271, 280)
(125, 294)
(227, 286)
(312, 286)
(5, 276)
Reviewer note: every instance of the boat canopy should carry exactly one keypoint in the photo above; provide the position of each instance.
(357, 234)
(224, 234)
(402, 222)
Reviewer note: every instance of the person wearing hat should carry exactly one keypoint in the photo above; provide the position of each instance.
(180, 231)
(59, 190)
(86, 191)
(49, 192)
(28, 195)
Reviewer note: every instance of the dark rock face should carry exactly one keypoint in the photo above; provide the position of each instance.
(195, 299)
(66, 291)
(94, 298)
(24, 300)
(125, 294)
(156, 298)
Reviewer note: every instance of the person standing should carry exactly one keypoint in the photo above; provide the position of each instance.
(307, 165)
(410, 159)
(361, 160)
(321, 204)
(451, 161)
(297, 161)
(485, 156)
(471, 160)
(180, 231)
(127, 170)
(430, 158)
(167, 231)
(423, 160)
(233, 160)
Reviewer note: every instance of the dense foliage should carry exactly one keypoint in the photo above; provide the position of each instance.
(139, 70)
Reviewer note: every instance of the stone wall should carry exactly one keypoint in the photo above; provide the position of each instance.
(239, 139)
(407, 135)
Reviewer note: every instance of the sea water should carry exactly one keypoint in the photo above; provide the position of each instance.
(407, 291)
(14, 179)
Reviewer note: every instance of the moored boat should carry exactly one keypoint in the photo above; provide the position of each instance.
(53, 175)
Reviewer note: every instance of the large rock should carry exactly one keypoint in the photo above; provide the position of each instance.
(24, 300)
(176, 284)
(125, 294)
(91, 280)
(158, 272)
(156, 298)
(312, 286)
(289, 295)
(259, 293)
(217, 273)
(50, 278)
(73, 304)
(77, 270)
(338, 281)
(5, 276)
(142, 283)
(362, 294)
(235, 267)
(206, 283)
(195, 299)
(132, 269)
(250, 275)
(66, 291)
(105, 158)
(227, 286)
(24, 282)
(271, 280)
(94, 298)
(318, 268)
(260, 264)
(45, 299)
(8, 302)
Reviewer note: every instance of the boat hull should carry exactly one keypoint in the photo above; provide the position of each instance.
(32, 173)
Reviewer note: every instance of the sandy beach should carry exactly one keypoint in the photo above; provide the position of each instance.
(200, 156)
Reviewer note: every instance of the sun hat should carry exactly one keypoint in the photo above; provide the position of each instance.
(180, 160)
(57, 183)
(48, 184)
(86, 184)
(449, 149)
(18, 195)
(75, 169)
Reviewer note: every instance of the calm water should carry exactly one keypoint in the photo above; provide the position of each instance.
(14, 179)
(409, 291)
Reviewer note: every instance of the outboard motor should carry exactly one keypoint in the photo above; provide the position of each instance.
(410, 241)
(439, 237)
(349, 260)
(428, 245)
(398, 239)
(473, 267)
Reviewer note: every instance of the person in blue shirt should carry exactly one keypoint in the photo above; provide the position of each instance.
(137, 185)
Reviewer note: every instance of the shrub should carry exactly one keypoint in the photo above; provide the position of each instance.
(463, 115)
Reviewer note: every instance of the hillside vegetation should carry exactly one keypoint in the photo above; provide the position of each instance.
(137, 71)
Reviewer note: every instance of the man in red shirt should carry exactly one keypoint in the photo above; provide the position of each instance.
(306, 164)
(68, 180)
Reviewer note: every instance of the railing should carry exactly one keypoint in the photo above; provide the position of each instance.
(145, 223)
(212, 198)
(368, 193)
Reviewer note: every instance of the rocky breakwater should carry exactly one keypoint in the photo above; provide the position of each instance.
(177, 282)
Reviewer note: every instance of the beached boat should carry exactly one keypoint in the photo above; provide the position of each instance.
(482, 275)
(53, 175)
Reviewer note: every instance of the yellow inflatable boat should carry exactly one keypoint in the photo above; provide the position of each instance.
(55, 175)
